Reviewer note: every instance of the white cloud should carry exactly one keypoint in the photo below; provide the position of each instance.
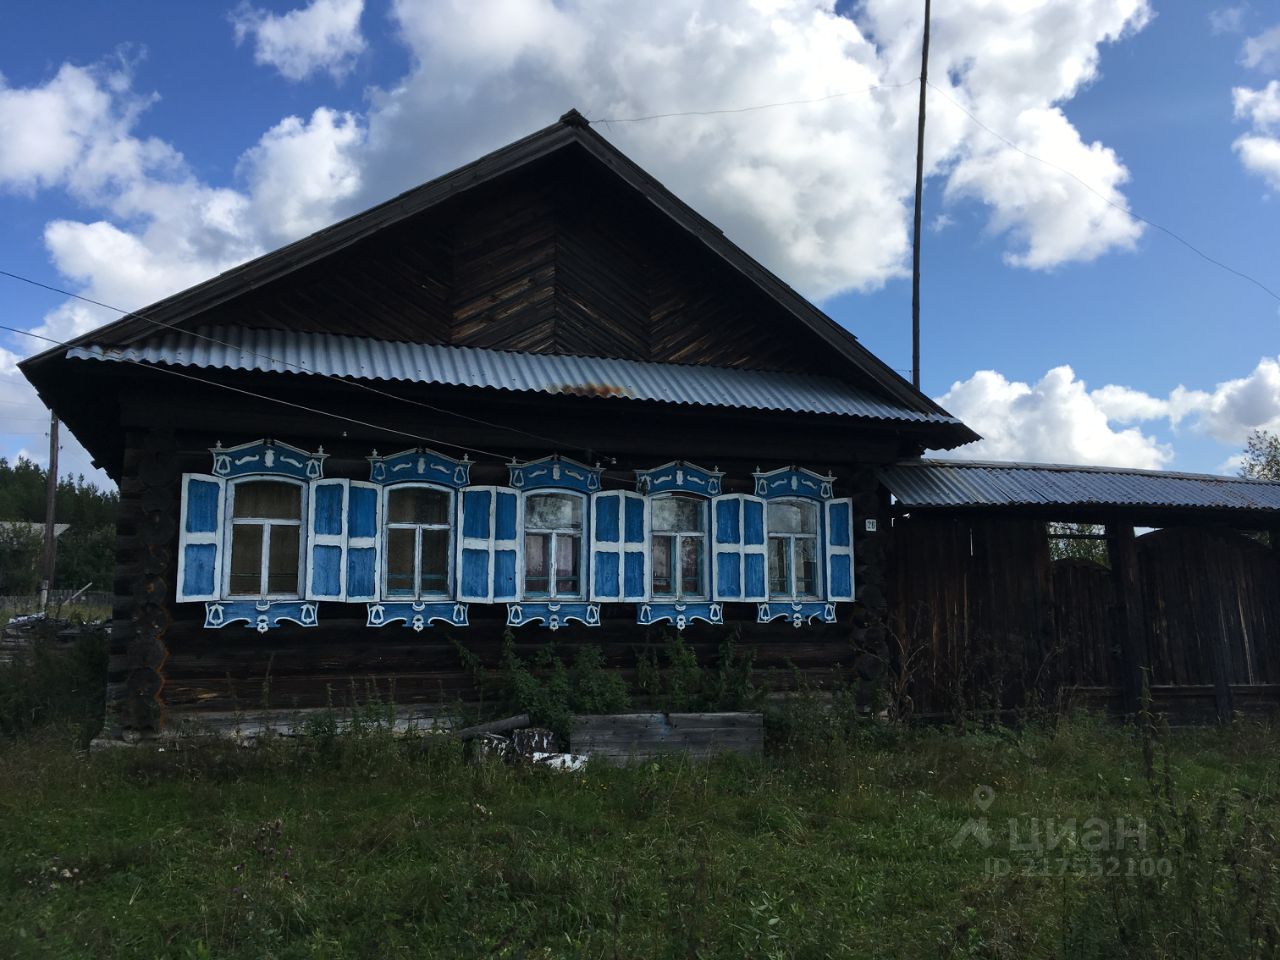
(1041, 207)
(1059, 420)
(1263, 51)
(323, 36)
(300, 172)
(1055, 420)
(1259, 149)
(1228, 19)
(820, 192)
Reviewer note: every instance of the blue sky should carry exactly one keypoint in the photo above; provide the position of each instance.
(151, 145)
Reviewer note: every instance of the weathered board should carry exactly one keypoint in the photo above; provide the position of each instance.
(643, 736)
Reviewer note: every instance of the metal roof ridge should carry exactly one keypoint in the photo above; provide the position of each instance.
(1080, 468)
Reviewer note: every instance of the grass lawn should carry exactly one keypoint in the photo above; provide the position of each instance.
(837, 847)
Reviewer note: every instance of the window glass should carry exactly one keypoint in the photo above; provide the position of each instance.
(246, 559)
(268, 500)
(567, 554)
(537, 563)
(779, 566)
(553, 511)
(435, 562)
(266, 531)
(806, 567)
(678, 546)
(418, 505)
(663, 562)
(789, 517)
(282, 566)
(676, 513)
(691, 566)
(553, 545)
(418, 542)
(399, 560)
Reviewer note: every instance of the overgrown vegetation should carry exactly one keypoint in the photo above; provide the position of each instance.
(51, 681)
(857, 845)
(85, 550)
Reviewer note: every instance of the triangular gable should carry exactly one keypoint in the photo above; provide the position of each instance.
(836, 345)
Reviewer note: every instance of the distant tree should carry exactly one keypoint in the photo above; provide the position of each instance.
(85, 551)
(1261, 456)
(20, 551)
(1067, 540)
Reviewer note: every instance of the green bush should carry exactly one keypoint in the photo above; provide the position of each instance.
(54, 682)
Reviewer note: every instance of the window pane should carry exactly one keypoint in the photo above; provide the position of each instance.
(537, 563)
(779, 566)
(399, 562)
(790, 517)
(567, 565)
(553, 511)
(435, 562)
(417, 505)
(691, 567)
(246, 559)
(678, 514)
(268, 500)
(282, 570)
(663, 549)
(806, 567)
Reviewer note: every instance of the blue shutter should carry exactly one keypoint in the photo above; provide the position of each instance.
(619, 546)
(506, 544)
(738, 538)
(754, 540)
(200, 537)
(839, 548)
(364, 538)
(488, 544)
(326, 540)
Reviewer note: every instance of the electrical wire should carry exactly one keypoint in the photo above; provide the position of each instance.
(1121, 207)
(298, 406)
(289, 403)
(301, 367)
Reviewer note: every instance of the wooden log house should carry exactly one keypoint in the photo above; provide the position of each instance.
(537, 394)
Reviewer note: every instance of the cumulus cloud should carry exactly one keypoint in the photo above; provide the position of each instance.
(1060, 420)
(1055, 420)
(1228, 19)
(819, 192)
(321, 37)
(1263, 51)
(1259, 150)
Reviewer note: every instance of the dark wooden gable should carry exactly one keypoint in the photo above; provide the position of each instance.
(556, 258)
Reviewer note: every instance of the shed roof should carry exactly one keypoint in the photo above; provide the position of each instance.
(972, 484)
(364, 358)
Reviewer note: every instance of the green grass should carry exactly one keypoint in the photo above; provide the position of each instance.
(396, 847)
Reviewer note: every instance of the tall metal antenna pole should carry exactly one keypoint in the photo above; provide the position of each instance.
(915, 246)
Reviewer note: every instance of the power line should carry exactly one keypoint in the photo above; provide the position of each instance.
(299, 366)
(1123, 209)
(297, 406)
(760, 106)
(269, 399)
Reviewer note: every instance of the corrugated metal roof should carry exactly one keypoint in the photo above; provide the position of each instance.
(362, 358)
(948, 483)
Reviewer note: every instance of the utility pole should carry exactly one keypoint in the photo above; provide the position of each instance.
(51, 495)
(915, 246)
